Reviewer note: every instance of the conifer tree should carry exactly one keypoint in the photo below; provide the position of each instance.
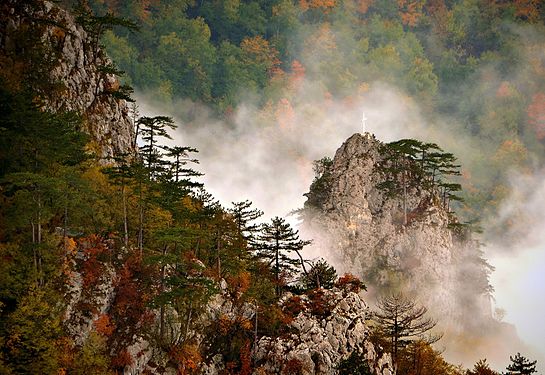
(521, 365)
(403, 321)
(277, 242)
(244, 217)
(151, 130)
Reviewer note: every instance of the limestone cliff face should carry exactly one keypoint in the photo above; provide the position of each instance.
(319, 342)
(327, 327)
(362, 230)
(75, 64)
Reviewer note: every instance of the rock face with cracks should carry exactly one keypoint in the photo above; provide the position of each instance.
(78, 69)
(362, 230)
(320, 340)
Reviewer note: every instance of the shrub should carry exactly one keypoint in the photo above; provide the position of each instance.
(350, 283)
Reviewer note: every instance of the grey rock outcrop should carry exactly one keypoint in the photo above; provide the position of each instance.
(75, 68)
(362, 230)
(319, 342)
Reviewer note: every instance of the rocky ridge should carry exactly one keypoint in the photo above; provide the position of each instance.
(361, 229)
(76, 66)
(319, 342)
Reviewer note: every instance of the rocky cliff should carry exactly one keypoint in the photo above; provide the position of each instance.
(324, 328)
(322, 338)
(39, 39)
(361, 227)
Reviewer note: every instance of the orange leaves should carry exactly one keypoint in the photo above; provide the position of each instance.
(363, 5)
(536, 115)
(410, 11)
(527, 9)
(104, 326)
(187, 357)
(297, 75)
(350, 283)
(324, 5)
(505, 90)
(95, 253)
(227, 325)
(285, 115)
(259, 51)
(239, 284)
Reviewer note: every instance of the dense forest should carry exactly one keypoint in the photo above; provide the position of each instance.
(74, 228)
(474, 68)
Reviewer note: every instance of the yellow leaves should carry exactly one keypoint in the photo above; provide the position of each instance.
(257, 50)
(324, 39)
(158, 218)
(511, 152)
(324, 5)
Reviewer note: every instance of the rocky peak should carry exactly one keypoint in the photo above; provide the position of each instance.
(361, 229)
(76, 67)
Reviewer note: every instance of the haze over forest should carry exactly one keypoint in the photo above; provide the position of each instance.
(262, 89)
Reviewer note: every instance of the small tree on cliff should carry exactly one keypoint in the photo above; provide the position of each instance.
(276, 241)
(403, 321)
(521, 366)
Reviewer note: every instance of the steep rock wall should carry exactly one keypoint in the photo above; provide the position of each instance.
(75, 64)
(362, 230)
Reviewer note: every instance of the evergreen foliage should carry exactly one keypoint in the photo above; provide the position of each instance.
(278, 245)
(521, 365)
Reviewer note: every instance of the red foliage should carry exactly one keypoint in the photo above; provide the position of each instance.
(293, 367)
(319, 304)
(104, 325)
(122, 359)
(129, 310)
(350, 283)
(95, 253)
(293, 306)
(536, 115)
(246, 359)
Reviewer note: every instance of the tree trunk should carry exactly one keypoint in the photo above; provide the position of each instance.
(125, 220)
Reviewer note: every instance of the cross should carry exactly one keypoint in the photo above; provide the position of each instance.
(364, 120)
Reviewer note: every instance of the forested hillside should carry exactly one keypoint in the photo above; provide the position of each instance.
(473, 67)
(114, 258)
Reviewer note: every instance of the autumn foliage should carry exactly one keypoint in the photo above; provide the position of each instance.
(350, 283)
(536, 114)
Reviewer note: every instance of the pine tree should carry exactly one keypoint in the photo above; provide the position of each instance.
(403, 321)
(521, 365)
(320, 275)
(151, 130)
(244, 217)
(277, 242)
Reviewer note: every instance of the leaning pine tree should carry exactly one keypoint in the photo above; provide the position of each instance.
(277, 242)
